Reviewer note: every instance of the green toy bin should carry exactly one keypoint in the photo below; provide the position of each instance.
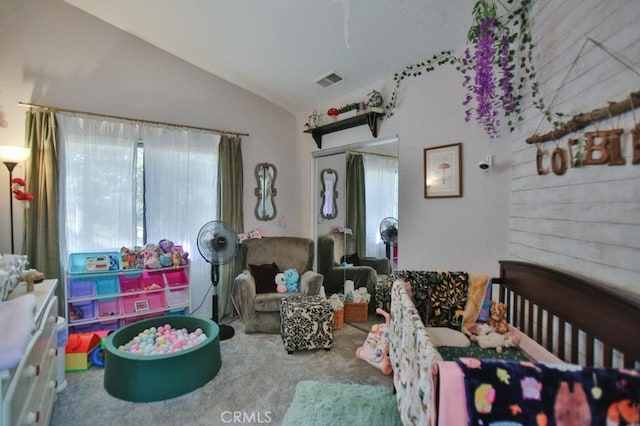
(139, 378)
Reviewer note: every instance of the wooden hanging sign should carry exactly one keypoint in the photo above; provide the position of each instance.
(580, 121)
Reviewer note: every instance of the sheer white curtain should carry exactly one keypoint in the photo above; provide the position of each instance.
(381, 193)
(97, 192)
(181, 171)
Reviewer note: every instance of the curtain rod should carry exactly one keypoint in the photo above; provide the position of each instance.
(116, 117)
(372, 153)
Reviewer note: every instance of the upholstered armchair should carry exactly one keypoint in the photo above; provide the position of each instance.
(365, 272)
(254, 291)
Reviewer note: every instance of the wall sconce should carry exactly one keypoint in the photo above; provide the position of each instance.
(11, 156)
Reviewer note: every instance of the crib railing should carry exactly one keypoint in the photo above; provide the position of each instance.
(576, 319)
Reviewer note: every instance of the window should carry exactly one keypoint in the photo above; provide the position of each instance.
(123, 183)
(381, 193)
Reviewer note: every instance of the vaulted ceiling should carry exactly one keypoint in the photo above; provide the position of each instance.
(277, 49)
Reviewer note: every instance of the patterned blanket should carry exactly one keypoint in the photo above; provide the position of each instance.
(540, 394)
(439, 296)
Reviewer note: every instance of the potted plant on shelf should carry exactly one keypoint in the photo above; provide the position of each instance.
(348, 110)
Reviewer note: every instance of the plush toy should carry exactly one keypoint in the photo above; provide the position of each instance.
(361, 295)
(498, 317)
(152, 260)
(176, 259)
(165, 260)
(375, 349)
(281, 283)
(486, 337)
(291, 278)
(165, 246)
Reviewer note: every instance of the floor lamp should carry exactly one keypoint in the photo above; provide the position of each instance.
(11, 156)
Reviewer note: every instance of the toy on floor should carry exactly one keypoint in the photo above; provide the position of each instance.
(375, 349)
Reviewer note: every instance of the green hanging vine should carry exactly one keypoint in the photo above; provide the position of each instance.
(497, 68)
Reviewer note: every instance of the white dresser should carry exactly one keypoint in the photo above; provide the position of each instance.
(29, 390)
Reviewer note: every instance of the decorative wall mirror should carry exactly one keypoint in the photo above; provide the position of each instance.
(329, 193)
(266, 190)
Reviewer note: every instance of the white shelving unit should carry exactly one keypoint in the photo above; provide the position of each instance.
(107, 298)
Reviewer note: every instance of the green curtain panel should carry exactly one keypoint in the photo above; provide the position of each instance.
(356, 205)
(230, 184)
(41, 237)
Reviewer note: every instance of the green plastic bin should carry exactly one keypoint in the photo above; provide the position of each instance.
(139, 378)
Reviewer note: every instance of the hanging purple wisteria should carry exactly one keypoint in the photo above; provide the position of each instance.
(487, 70)
(497, 67)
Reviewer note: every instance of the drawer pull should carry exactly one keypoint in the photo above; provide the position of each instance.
(30, 371)
(32, 418)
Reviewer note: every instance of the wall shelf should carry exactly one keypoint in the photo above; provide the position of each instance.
(370, 118)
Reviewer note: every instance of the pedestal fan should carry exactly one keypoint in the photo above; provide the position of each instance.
(389, 234)
(217, 244)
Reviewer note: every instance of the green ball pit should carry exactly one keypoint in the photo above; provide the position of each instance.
(140, 378)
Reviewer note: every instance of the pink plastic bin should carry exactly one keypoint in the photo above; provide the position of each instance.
(176, 278)
(152, 279)
(128, 321)
(130, 283)
(140, 303)
(108, 307)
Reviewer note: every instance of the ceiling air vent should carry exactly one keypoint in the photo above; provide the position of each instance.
(329, 79)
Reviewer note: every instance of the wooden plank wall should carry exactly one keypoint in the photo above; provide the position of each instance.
(588, 220)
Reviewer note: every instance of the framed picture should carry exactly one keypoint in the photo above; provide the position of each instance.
(443, 171)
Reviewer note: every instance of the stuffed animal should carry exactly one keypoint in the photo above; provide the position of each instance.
(152, 260)
(375, 349)
(361, 295)
(498, 317)
(176, 259)
(165, 246)
(165, 259)
(291, 278)
(486, 337)
(281, 283)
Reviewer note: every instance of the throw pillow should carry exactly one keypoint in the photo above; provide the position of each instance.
(352, 259)
(265, 277)
(445, 336)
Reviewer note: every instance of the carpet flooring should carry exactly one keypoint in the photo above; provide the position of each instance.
(255, 385)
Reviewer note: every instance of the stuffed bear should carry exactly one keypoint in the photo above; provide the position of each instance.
(291, 278)
(498, 317)
(281, 283)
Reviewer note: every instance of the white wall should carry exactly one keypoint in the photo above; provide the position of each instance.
(54, 54)
(586, 221)
(468, 233)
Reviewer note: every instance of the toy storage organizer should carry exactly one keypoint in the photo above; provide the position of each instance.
(102, 296)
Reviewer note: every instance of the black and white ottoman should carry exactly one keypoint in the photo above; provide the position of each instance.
(306, 322)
